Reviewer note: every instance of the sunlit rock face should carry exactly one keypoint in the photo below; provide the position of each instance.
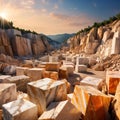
(5, 46)
(21, 46)
(20, 110)
(64, 110)
(46, 90)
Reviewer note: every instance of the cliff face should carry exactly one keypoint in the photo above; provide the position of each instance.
(12, 42)
(103, 41)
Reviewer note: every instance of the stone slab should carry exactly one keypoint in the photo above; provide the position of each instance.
(7, 93)
(53, 66)
(112, 80)
(44, 91)
(91, 102)
(94, 82)
(20, 81)
(61, 111)
(21, 70)
(35, 73)
(80, 68)
(20, 110)
(3, 78)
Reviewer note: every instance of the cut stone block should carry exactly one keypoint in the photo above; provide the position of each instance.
(82, 60)
(69, 96)
(44, 91)
(3, 78)
(53, 59)
(1, 114)
(20, 110)
(7, 93)
(112, 80)
(63, 73)
(116, 104)
(61, 111)
(91, 102)
(53, 66)
(94, 82)
(81, 68)
(21, 70)
(35, 73)
(69, 68)
(51, 74)
(20, 81)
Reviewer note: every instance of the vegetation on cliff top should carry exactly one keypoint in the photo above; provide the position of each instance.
(99, 24)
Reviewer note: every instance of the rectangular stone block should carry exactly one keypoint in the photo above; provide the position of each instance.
(63, 73)
(116, 104)
(82, 60)
(69, 96)
(61, 111)
(51, 74)
(80, 68)
(35, 73)
(91, 102)
(20, 81)
(53, 58)
(21, 70)
(53, 66)
(112, 80)
(7, 93)
(69, 68)
(97, 83)
(3, 78)
(20, 110)
(44, 91)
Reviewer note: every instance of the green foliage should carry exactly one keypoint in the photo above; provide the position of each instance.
(99, 24)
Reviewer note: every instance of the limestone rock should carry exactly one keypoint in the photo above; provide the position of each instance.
(61, 111)
(51, 74)
(80, 68)
(100, 33)
(21, 46)
(21, 70)
(20, 81)
(7, 93)
(112, 80)
(13, 32)
(9, 70)
(3, 78)
(35, 73)
(106, 35)
(97, 83)
(82, 60)
(20, 110)
(46, 90)
(53, 66)
(92, 103)
(53, 59)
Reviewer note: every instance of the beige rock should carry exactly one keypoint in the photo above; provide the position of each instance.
(106, 35)
(51, 74)
(7, 93)
(69, 96)
(21, 70)
(116, 104)
(92, 103)
(46, 90)
(80, 68)
(70, 69)
(35, 73)
(112, 80)
(97, 83)
(20, 110)
(21, 95)
(61, 111)
(3, 78)
(100, 33)
(63, 73)
(20, 81)
(53, 59)
(53, 66)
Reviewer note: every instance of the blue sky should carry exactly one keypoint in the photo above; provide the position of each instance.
(58, 16)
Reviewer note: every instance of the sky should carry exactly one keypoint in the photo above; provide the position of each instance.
(57, 16)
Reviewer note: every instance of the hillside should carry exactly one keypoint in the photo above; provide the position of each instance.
(60, 37)
(102, 39)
